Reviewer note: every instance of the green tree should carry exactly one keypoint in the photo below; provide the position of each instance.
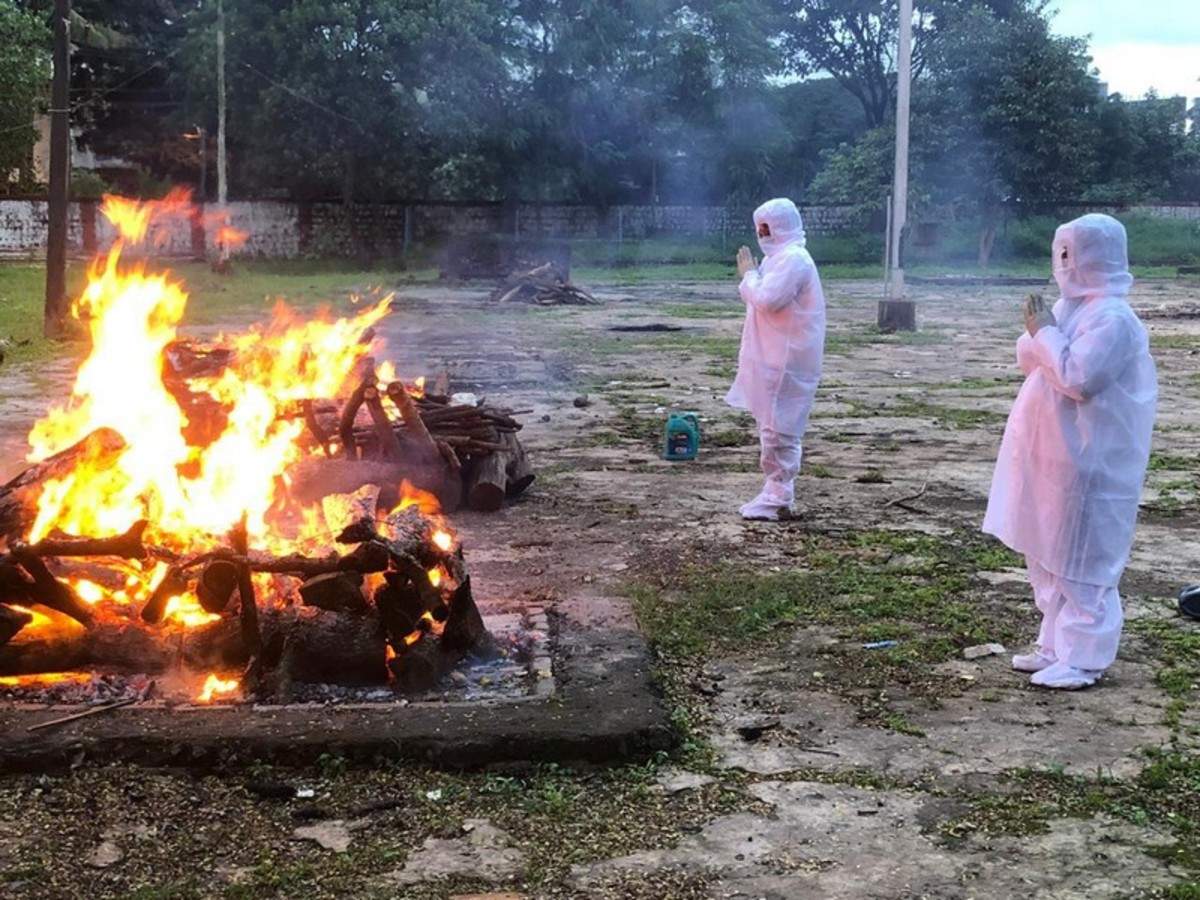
(24, 76)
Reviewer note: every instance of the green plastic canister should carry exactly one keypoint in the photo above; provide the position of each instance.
(681, 437)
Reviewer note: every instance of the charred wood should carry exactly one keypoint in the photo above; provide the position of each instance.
(18, 497)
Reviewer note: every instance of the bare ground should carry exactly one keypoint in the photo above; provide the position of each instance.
(809, 766)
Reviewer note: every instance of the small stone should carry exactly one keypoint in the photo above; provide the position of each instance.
(484, 852)
(105, 855)
(332, 835)
(459, 678)
(981, 650)
(676, 781)
(583, 401)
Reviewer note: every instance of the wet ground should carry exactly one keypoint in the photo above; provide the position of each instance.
(809, 765)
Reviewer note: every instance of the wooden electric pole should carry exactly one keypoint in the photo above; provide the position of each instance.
(897, 312)
(55, 315)
(222, 187)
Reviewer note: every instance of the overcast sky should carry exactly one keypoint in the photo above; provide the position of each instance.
(1139, 44)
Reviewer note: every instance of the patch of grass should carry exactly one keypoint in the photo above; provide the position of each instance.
(1165, 793)
(955, 417)
(250, 290)
(899, 723)
(816, 470)
(1169, 462)
(848, 342)
(873, 584)
(1189, 342)
(730, 437)
(702, 311)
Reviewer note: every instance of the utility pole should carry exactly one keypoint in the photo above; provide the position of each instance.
(55, 315)
(897, 313)
(222, 185)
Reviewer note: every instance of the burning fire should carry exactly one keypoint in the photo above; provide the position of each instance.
(216, 688)
(201, 454)
(192, 495)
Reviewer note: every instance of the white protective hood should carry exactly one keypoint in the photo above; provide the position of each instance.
(1070, 470)
(783, 218)
(1091, 258)
(783, 338)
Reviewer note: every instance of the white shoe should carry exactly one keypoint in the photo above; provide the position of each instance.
(762, 509)
(1033, 662)
(1063, 677)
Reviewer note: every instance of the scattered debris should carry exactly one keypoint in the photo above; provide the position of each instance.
(271, 790)
(753, 730)
(880, 645)
(484, 852)
(105, 855)
(332, 835)
(543, 286)
(652, 328)
(981, 650)
(676, 781)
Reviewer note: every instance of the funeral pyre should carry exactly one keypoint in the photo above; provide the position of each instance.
(212, 515)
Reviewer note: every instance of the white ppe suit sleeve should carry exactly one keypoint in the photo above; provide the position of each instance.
(775, 290)
(1087, 365)
(1026, 357)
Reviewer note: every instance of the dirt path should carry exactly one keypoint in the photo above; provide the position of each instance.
(810, 766)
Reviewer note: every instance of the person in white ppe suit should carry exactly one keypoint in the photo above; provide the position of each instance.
(783, 340)
(1069, 475)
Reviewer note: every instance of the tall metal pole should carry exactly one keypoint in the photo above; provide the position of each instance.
(222, 186)
(900, 176)
(55, 312)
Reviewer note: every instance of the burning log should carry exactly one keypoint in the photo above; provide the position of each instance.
(12, 621)
(402, 606)
(421, 664)
(128, 545)
(335, 592)
(120, 646)
(247, 602)
(171, 585)
(465, 632)
(15, 586)
(321, 647)
(369, 556)
(18, 497)
(216, 584)
(50, 591)
(351, 407)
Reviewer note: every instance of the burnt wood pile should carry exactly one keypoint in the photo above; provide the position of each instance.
(393, 604)
(542, 286)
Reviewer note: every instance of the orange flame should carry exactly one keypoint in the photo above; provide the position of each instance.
(192, 495)
(132, 218)
(215, 687)
(231, 238)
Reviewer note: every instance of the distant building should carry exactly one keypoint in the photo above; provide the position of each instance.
(81, 158)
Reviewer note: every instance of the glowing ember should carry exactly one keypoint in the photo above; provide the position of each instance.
(216, 688)
(435, 577)
(443, 541)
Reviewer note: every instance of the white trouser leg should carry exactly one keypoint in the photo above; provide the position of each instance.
(780, 458)
(1087, 631)
(1050, 600)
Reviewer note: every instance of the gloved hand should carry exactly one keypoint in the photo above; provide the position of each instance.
(746, 261)
(1037, 315)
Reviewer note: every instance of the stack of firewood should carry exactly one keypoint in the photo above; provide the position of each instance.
(543, 286)
(336, 633)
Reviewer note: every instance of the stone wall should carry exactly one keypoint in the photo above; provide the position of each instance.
(287, 230)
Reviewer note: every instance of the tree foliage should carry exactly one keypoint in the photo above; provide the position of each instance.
(607, 101)
(24, 71)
